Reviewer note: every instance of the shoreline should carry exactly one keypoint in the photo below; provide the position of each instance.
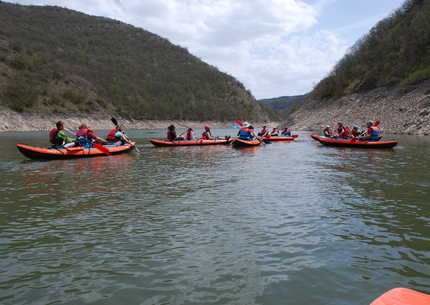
(13, 121)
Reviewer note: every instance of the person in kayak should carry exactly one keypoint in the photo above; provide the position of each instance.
(246, 132)
(328, 132)
(85, 136)
(58, 136)
(286, 132)
(190, 135)
(171, 134)
(355, 132)
(207, 134)
(264, 132)
(117, 137)
(275, 132)
(342, 131)
(373, 132)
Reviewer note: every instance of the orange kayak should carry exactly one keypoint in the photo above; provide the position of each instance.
(72, 152)
(166, 143)
(402, 296)
(237, 143)
(354, 143)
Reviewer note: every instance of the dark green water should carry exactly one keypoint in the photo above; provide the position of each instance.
(286, 223)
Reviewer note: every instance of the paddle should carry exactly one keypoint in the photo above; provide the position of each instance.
(103, 149)
(115, 122)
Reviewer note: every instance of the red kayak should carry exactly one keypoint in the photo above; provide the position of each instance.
(282, 138)
(72, 152)
(402, 296)
(165, 143)
(353, 142)
(238, 143)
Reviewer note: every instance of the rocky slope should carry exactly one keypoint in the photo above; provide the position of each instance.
(401, 110)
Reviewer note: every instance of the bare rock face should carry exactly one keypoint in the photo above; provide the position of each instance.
(401, 110)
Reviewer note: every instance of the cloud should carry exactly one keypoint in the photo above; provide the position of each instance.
(272, 46)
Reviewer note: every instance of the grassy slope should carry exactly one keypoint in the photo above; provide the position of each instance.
(57, 60)
(395, 52)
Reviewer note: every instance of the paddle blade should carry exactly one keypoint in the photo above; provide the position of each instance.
(239, 122)
(114, 121)
(103, 149)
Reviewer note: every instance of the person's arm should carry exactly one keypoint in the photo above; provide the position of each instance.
(91, 135)
(124, 138)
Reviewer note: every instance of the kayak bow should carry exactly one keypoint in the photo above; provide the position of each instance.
(238, 143)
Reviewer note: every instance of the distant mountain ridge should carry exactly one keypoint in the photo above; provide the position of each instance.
(58, 60)
(284, 104)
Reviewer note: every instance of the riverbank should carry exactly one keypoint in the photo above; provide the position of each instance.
(401, 110)
(14, 121)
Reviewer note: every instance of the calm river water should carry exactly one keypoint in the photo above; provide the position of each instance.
(286, 223)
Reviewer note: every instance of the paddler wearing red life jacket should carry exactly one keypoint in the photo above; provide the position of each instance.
(342, 131)
(373, 132)
(58, 137)
(85, 136)
(275, 132)
(207, 134)
(189, 134)
(246, 132)
(328, 132)
(355, 132)
(264, 132)
(116, 136)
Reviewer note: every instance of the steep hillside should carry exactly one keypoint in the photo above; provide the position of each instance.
(57, 60)
(385, 76)
(395, 52)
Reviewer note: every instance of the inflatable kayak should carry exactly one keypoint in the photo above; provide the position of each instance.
(244, 143)
(353, 142)
(72, 152)
(282, 138)
(402, 296)
(166, 143)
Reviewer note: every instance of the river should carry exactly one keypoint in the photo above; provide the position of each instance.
(285, 223)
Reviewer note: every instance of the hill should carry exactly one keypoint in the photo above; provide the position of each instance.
(394, 52)
(284, 105)
(58, 60)
(283, 102)
(384, 76)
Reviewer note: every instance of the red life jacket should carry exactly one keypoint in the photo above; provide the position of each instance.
(189, 135)
(204, 136)
(355, 133)
(373, 131)
(53, 135)
(82, 132)
(346, 132)
(111, 135)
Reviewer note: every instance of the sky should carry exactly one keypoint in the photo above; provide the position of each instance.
(274, 47)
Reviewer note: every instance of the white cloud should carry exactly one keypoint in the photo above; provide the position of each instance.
(271, 46)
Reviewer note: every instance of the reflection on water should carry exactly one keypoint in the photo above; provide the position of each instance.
(283, 223)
